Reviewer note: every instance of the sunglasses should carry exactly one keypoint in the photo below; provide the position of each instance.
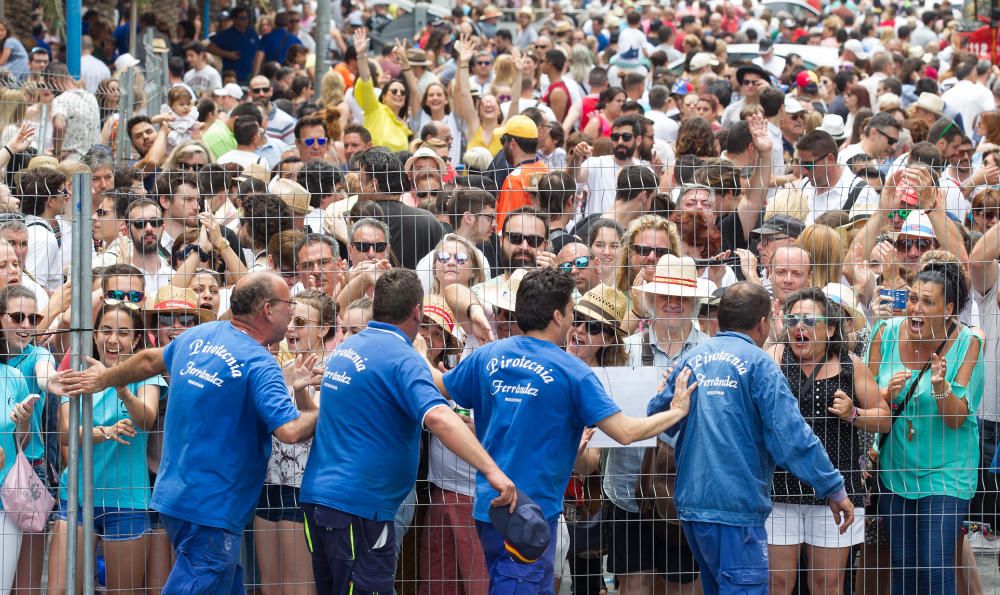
(183, 253)
(625, 136)
(892, 139)
(189, 166)
(183, 319)
(807, 320)
(580, 262)
(922, 244)
(899, 214)
(516, 239)
(369, 246)
(593, 327)
(20, 317)
(870, 173)
(814, 162)
(427, 193)
(299, 321)
(445, 257)
(397, 91)
(260, 90)
(139, 224)
(321, 141)
(125, 303)
(641, 250)
(134, 297)
(484, 63)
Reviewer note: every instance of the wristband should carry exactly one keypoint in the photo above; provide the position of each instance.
(854, 416)
(468, 311)
(9, 152)
(221, 245)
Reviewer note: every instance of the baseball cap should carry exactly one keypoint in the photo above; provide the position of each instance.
(792, 105)
(681, 87)
(230, 90)
(917, 225)
(807, 80)
(519, 126)
(525, 532)
(781, 224)
(703, 59)
(765, 45)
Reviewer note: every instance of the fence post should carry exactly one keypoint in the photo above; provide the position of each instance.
(74, 31)
(322, 44)
(124, 113)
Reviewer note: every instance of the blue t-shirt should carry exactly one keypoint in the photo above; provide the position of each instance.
(25, 362)
(13, 390)
(121, 473)
(532, 401)
(17, 61)
(376, 392)
(276, 43)
(227, 396)
(245, 43)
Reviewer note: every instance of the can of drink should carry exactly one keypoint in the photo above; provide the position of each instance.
(461, 411)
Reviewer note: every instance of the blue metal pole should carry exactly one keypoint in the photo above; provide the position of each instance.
(74, 32)
(206, 19)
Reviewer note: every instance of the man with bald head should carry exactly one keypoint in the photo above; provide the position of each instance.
(576, 259)
(791, 270)
(227, 397)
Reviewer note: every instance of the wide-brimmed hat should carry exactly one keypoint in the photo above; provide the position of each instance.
(491, 12)
(606, 304)
(701, 60)
(930, 102)
(844, 297)
(425, 153)
(175, 299)
(417, 57)
(254, 170)
(526, 10)
(677, 276)
(833, 125)
(500, 292)
(437, 309)
(292, 193)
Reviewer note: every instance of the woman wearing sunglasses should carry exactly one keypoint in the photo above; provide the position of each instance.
(385, 115)
(123, 418)
(282, 552)
(19, 320)
(839, 399)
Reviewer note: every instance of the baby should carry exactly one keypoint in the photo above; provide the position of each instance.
(180, 103)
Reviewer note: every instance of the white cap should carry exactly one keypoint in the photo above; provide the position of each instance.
(792, 105)
(125, 61)
(230, 90)
(703, 59)
(854, 46)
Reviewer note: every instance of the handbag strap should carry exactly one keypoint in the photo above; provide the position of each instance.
(894, 415)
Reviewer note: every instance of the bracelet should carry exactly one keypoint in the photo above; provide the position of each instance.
(222, 245)
(9, 152)
(103, 432)
(942, 395)
(854, 416)
(468, 311)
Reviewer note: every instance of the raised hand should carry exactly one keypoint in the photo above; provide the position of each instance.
(758, 131)
(399, 50)
(305, 371)
(896, 384)
(939, 370)
(361, 41)
(466, 48)
(22, 139)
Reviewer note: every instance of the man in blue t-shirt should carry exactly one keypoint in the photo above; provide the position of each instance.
(227, 397)
(532, 401)
(744, 419)
(237, 45)
(377, 393)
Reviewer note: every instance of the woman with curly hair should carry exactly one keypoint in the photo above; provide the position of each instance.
(695, 137)
(646, 240)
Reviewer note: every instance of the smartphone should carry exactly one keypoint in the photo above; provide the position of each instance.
(899, 297)
(30, 400)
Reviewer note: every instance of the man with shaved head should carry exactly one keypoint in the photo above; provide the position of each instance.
(227, 397)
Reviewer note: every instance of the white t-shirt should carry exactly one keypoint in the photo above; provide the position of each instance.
(775, 66)
(664, 127)
(44, 259)
(92, 72)
(970, 100)
(631, 45)
(206, 79)
(602, 180)
(241, 158)
(989, 316)
(955, 202)
(834, 198)
(848, 152)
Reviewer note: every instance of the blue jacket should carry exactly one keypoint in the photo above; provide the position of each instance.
(743, 420)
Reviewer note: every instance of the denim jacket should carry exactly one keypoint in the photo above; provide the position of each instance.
(743, 421)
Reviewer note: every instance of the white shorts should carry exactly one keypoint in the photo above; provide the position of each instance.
(794, 524)
(561, 564)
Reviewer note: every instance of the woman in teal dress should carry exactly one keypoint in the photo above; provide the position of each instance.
(928, 463)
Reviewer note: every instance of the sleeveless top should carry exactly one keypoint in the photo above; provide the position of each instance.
(843, 442)
(477, 141)
(552, 87)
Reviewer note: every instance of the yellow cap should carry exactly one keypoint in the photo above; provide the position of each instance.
(519, 126)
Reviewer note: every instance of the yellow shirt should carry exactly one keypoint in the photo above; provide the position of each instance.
(477, 141)
(386, 129)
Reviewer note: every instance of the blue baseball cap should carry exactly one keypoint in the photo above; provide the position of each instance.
(525, 532)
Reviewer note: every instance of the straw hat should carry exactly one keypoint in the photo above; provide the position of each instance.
(676, 276)
(254, 170)
(436, 308)
(844, 297)
(833, 125)
(931, 103)
(491, 12)
(292, 193)
(175, 299)
(502, 293)
(417, 57)
(425, 153)
(604, 304)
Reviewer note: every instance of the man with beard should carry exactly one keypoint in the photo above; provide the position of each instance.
(601, 173)
(519, 136)
(145, 228)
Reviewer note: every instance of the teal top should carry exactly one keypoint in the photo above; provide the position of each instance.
(938, 460)
(13, 390)
(26, 363)
(121, 473)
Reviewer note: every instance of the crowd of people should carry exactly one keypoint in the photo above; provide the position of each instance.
(306, 291)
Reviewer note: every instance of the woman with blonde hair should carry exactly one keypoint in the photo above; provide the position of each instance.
(455, 260)
(646, 240)
(581, 62)
(13, 107)
(331, 100)
(188, 156)
(826, 253)
(791, 202)
(504, 70)
(481, 122)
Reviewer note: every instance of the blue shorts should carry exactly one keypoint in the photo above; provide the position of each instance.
(207, 559)
(510, 576)
(113, 524)
(279, 503)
